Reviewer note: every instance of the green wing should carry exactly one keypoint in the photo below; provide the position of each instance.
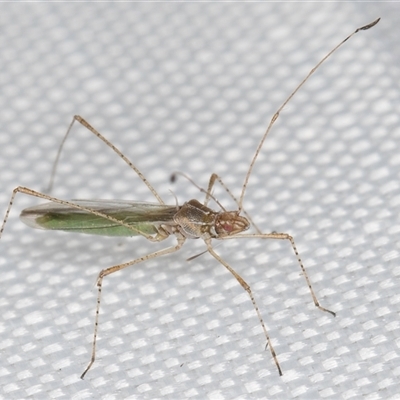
(145, 217)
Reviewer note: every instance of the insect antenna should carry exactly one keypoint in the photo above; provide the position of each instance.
(277, 113)
(202, 190)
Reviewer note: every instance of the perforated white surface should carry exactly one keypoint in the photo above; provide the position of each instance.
(192, 87)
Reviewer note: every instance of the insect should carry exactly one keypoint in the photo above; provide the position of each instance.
(157, 221)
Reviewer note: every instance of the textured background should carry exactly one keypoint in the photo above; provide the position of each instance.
(191, 87)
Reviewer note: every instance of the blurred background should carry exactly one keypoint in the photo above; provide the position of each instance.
(191, 87)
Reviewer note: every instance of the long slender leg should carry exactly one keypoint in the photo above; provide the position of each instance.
(109, 144)
(246, 287)
(105, 272)
(285, 236)
(110, 271)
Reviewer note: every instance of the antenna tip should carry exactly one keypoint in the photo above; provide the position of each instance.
(364, 28)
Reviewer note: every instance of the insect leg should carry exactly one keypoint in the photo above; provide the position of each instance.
(285, 236)
(109, 144)
(34, 193)
(246, 287)
(110, 271)
(25, 190)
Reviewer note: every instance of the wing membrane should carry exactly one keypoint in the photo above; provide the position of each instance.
(146, 217)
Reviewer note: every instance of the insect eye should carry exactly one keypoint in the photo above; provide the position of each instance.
(227, 227)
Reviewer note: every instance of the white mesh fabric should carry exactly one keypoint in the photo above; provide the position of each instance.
(191, 87)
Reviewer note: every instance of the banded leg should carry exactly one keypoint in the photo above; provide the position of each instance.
(110, 271)
(34, 193)
(95, 132)
(285, 236)
(246, 287)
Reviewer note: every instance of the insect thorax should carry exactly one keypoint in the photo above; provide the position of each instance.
(196, 220)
